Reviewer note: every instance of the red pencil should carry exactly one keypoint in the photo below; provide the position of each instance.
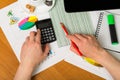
(72, 43)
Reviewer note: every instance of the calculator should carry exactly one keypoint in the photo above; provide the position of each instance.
(47, 31)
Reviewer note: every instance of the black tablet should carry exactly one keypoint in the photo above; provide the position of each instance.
(90, 5)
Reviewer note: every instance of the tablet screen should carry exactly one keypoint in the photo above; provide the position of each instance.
(90, 5)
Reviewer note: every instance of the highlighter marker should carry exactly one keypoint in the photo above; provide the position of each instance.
(113, 34)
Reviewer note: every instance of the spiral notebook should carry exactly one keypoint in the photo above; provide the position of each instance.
(103, 34)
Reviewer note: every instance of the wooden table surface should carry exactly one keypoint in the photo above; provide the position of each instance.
(60, 71)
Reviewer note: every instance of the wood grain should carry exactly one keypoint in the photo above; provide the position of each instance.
(65, 71)
(5, 3)
(8, 60)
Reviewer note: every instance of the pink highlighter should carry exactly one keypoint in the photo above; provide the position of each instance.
(72, 43)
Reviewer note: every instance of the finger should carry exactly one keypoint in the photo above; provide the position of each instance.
(74, 39)
(81, 36)
(32, 36)
(27, 39)
(38, 36)
(92, 36)
(46, 50)
(23, 45)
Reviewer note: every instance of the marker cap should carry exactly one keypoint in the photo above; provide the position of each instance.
(111, 19)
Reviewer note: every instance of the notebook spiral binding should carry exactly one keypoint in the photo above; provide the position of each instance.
(99, 24)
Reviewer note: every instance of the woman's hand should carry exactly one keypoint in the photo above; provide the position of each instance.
(32, 54)
(87, 44)
(32, 51)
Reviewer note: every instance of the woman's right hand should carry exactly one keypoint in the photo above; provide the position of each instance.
(88, 45)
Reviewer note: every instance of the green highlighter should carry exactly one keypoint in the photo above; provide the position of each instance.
(113, 34)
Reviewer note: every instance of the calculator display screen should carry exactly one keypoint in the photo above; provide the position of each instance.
(43, 24)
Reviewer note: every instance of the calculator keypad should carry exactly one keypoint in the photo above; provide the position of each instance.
(47, 35)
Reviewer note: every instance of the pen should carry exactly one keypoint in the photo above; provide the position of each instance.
(72, 43)
(111, 23)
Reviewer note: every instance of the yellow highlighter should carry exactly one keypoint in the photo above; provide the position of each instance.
(89, 60)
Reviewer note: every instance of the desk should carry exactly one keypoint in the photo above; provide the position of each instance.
(61, 71)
